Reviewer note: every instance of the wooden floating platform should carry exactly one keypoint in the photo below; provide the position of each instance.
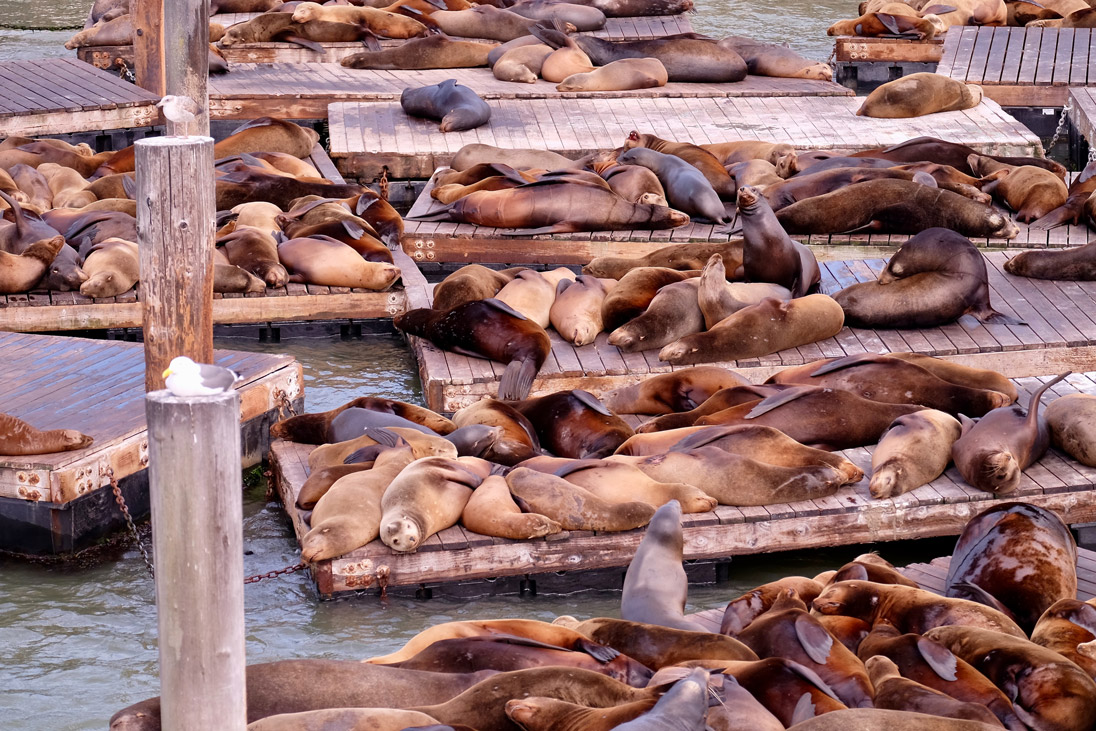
(46, 311)
(1021, 67)
(51, 96)
(1083, 115)
(1060, 335)
(366, 137)
(465, 243)
(850, 516)
(55, 503)
(858, 49)
(304, 91)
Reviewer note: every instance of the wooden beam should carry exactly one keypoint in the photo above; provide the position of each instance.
(148, 44)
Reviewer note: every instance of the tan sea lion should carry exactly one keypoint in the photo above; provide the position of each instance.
(1030, 191)
(873, 719)
(631, 182)
(521, 64)
(719, 299)
(423, 445)
(770, 59)
(571, 506)
(679, 390)
(566, 58)
(17, 437)
(325, 261)
(231, 278)
(280, 26)
(520, 158)
(740, 612)
(531, 294)
(550, 714)
(757, 173)
(685, 57)
(428, 496)
(634, 292)
(68, 187)
(622, 75)
(991, 454)
(719, 401)
(773, 325)
(672, 314)
(112, 268)
(320, 481)
(492, 511)
(576, 311)
(914, 451)
(684, 257)
(894, 692)
(432, 52)
(657, 646)
(350, 719)
(919, 94)
(871, 567)
(117, 31)
(381, 22)
(1071, 419)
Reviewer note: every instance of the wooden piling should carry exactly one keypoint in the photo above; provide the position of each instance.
(197, 532)
(148, 45)
(175, 229)
(186, 55)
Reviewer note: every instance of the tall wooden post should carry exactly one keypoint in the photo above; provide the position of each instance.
(171, 50)
(195, 486)
(148, 44)
(176, 213)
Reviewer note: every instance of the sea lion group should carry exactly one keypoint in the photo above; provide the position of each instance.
(70, 218)
(862, 647)
(923, 19)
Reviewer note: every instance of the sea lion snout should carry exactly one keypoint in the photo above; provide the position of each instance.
(884, 481)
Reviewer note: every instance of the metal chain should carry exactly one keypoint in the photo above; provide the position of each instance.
(280, 572)
(383, 184)
(1061, 124)
(129, 519)
(281, 398)
(124, 71)
(16, 26)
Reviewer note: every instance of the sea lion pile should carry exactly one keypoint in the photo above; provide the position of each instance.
(861, 648)
(69, 218)
(925, 19)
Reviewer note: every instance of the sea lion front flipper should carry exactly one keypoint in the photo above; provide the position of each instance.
(576, 465)
(942, 660)
(938, 10)
(804, 710)
(850, 361)
(129, 187)
(601, 653)
(779, 399)
(814, 638)
(352, 229)
(301, 41)
(991, 316)
(591, 401)
(975, 593)
(369, 39)
(517, 380)
(503, 307)
(700, 438)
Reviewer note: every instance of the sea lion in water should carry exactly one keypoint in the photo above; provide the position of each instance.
(687, 188)
(1071, 420)
(576, 310)
(1077, 263)
(574, 424)
(919, 94)
(456, 107)
(894, 692)
(491, 511)
(573, 507)
(899, 206)
(429, 495)
(935, 278)
(991, 454)
(914, 451)
(683, 257)
(487, 329)
(665, 393)
(768, 254)
(1030, 191)
(699, 60)
(671, 315)
(697, 156)
(432, 52)
(17, 437)
(1017, 558)
(767, 327)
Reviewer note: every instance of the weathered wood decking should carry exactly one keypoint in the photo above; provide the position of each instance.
(850, 516)
(858, 49)
(51, 96)
(366, 137)
(1021, 67)
(1083, 114)
(46, 311)
(98, 388)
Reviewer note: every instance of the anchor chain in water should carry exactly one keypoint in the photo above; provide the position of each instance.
(279, 572)
(1062, 125)
(383, 184)
(129, 520)
(16, 26)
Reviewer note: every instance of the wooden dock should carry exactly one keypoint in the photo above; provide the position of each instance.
(1083, 114)
(57, 503)
(50, 96)
(850, 516)
(1060, 335)
(1021, 67)
(366, 137)
(858, 49)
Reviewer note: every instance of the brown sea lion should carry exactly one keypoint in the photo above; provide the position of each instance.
(350, 719)
(573, 507)
(320, 481)
(772, 325)
(456, 107)
(423, 445)
(550, 714)
(470, 283)
(768, 254)
(932, 149)
(488, 329)
(492, 511)
(991, 454)
(521, 64)
(919, 94)
(325, 261)
(381, 22)
(1069, 628)
(278, 26)
(697, 156)
(256, 252)
(1080, 190)
(576, 311)
(1077, 263)
(583, 18)
(914, 451)
(1071, 419)
(117, 31)
(518, 439)
(680, 390)
(896, 693)
(635, 291)
(849, 631)
(519, 158)
(672, 314)
(740, 612)
(315, 428)
(961, 374)
(758, 173)
(685, 58)
(622, 75)
(873, 719)
(1016, 558)
(683, 257)
(566, 58)
(68, 186)
(815, 183)
(112, 268)
(729, 153)
(948, 178)
(574, 424)
(1056, 693)
(483, 21)
(432, 52)
(770, 59)
(657, 646)
(1030, 191)
(897, 24)
(719, 401)
(908, 609)
(17, 437)
(631, 182)
(429, 495)
(790, 691)
(687, 188)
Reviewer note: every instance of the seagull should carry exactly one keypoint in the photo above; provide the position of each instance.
(179, 110)
(184, 377)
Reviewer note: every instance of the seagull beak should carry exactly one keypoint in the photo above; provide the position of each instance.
(167, 373)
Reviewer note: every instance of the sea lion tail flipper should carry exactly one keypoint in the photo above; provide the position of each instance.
(591, 401)
(17, 214)
(966, 422)
(503, 307)
(778, 400)
(303, 42)
(601, 653)
(369, 39)
(1060, 216)
(500, 470)
(550, 36)
(517, 380)
(804, 710)
(562, 285)
(129, 186)
(992, 316)
(434, 215)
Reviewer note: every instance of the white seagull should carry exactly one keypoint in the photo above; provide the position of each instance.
(184, 377)
(178, 110)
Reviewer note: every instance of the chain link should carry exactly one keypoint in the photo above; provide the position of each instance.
(280, 572)
(1061, 124)
(383, 183)
(129, 520)
(281, 398)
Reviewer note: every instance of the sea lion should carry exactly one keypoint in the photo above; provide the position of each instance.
(470, 283)
(1071, 419)
(697, 156)
(519, 159)
(1056, 693)
(360, 719)
(381, 22)
(873, 719)
(353, 421)
(699, 60)
(871, 567)
(666, 393)
(672, 314)
(112, 268)
(1077, 263)
(788, 690)
(483, 21)
(320, 481)
(522, 64)
(684, 707)
(740, 612)
(582, 17)
(432, 52)
(1016, 558)
(991, 454)
(639, 8)
(117, 31)
(683, 257)
(932, 149)
(899, 206)
(314, 428)
(365, 447)
(326, 261)
(961, 374)
(909, 609)
(631, 182)
(517, 440)
(772, 325)
(946, 177)
(657, 646)
(635, 291)
(914, 451)
(231, 278)
(429, 495)
(901, 21)
(456, 107)
(257, 252)
(778, 153)
(719, 401)
(919, 94)
(1080, 190)
(531, 294)
(487, 329)
(758, 173)
(278, 26)
(894, 692)
(17, 437)
(770, 59)
(622, 75)
(492, 511)
(576, 310)
(814, 183)
(348, 515)
(1069, 628)
(550, 714)
(936, 277)
(68, 186)
(1030, 191)
(687, 188)
(574, 424)
(768, 254)
(573, 507)
(566, 58)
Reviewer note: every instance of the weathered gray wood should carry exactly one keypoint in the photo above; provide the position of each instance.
(186, 55)
(197, 536)
(175, 225)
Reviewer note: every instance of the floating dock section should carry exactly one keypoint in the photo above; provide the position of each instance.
(850, 516)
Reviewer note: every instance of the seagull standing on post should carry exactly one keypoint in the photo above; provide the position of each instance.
(184, 377)
(179, 110)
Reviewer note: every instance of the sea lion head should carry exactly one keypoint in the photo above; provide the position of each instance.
(402, 534)
(748, 197)
(305, 12)
(653, 199)
(1003, 227)
(65, 279)
(524, 712)
(635, 139)
(100, 285)
(884, 481)
(998, 471)
(851, 598)
(316, 544)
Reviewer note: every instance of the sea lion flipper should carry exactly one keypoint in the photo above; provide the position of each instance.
(804, 709)
(778, 400)
(576, 465)
(352, 229)
(942, 661)
(517, 380)
(601, 653)
(698, 439)
(992, 316)
(129, 187)
(591, 401)
(938, 10)
(850, 361)
(303, 42)
(1033, 404)
(562, 285)
(503, 307)
(814, 638)
(380, 435)
(369, 40)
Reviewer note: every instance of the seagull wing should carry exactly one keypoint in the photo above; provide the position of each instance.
(217, 377)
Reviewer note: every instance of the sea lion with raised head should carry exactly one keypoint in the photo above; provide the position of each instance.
(914, 451)
(664, 393)
(768, 254)
(456, 107)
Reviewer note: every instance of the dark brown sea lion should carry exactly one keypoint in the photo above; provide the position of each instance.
(315, 428)
(698, 157)
(991, 454)
(872, 567)
(1080, 191)
(894, 692)
(768, 254)
(518, 440)
(919, 94)
(1030, 191)
(248, 183)
(432, 52)
(1055, 693)
(1069, 628)
(1071, 420)
(685, 58)
(487, 329)
(470, 283)
(256, 252)
(574, 424)
(814, 183)
(657, 646)
(1017, 558)
(680, 390)
(687, 188)
(894, 381)
(936, 277)
(17, 437)
(908, 609)
(935, 666)
(899, 206)
(456, 107)
(719, 401)
(1077, 263)
(932, 149)
(740, 612)
(684, 257)
(672, 314)
(550, 714)
(961, 374)
(900, 24)
(788, 690)
(914, 451)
